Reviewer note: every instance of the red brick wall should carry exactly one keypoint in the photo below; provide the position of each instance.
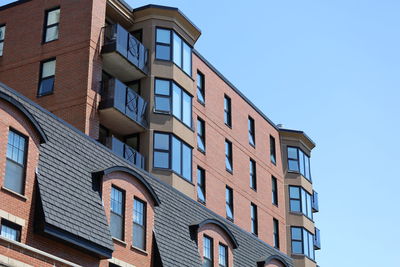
(214, 160)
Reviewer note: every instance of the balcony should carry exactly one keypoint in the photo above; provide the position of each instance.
(317, 239)
(315, 207)
(124, 56)
(121, 108)
(125, 151)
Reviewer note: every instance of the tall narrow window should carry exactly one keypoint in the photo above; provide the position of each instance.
(254, 219)
(208, 257)
(201, 185)
(200, 88)
(47, 74)
(276, 233)
(2, 36)
(201, 135)
(274, 186)
(16, 162)
(253, 175)
(161, 151)
(117, 213)
(139, 224)
(51, 27)
(252, 134)
(227, 111)
(229, 202)
(163, 44)
(10, 230)
(228, 156)
(222, 255)
(272, 149)
(162, 94)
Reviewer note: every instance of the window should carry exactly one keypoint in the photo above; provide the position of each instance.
(228, 156)
(229, 202)
(254, 219)
(298, 161)
(172, 99)
(139, 224)
(227, 111)
(253, 175)
(47, 74)
(276, 233)
(222, 255)
(208, 257)
(201, 185)
(272, 149)
(172, 153)
(175, 48)
(10, 230)
(252, 135)
(300, 201)
(16, 162)
(117, 213)
(274, 186)
(2, 36)
(51, 25)
(201, 135)
(200, 88)
(302, 242)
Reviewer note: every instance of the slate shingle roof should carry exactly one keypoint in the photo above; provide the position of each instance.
(66, 163)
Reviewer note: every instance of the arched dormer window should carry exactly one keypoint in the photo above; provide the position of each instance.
(273, 261)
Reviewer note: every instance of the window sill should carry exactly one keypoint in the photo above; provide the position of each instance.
(229, 171)
(227, 125)
(201, 151)
(139, 250)
(201, 202)
(252, 145)
(119, 241)
(47, 94)
(276, 205)
(254, 189)
(201, 103)
(230, 219)
(48, 42)
(22, 197)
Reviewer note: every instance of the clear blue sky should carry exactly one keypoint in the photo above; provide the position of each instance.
(332, 69)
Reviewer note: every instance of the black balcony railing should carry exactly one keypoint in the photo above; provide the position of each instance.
(117, 95)
(317, 239)
(315, 207)
(116, 38)
(125, 151)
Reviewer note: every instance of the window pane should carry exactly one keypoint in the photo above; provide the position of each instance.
(309, 212)
(187, 109)
(294, 192)
(292, 152)
(222, 259)
(161, 141)
(46, 86)
(163, 104)
(163, 36)
(187, 162)
(163, 52)
(116, 226)
(307, 167)
(187, 59)
(293, 165)
(177, 50)
(1, 48)
(161, 159)
(9, 232)
(200, 135)
(176, 101)
(305, 242)
(296, 233)
(295, 205)
(301, 162)
(303, 201)
(53, 17)
(207, 250)
(51, 33)
(138, 236)
(138, 212)
(2, 33)
(162, 87)
(14, 177)
(48, 68)
(297, 247)
(176, 155)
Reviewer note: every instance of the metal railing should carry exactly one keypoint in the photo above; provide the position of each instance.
(125, 151)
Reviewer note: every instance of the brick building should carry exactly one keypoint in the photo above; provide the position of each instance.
(168, 124)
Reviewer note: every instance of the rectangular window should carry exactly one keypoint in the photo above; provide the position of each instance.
(272, 149)
(208, 257)
(222, 255)
(2, 36)
(253, 175)
(300, 201)
(172, 153)
(47, 75)
(170, 46)
(276, 233)
(274, 187)
(302, 242)
(227, 111)
(201, 185)
(16, 162)
(200, 88)
(228, 156)
(298, 161)
(201, 135)
(10, 230)
(172, 99)
(139, 224)
(51, 25)
(229, 202)
(254, 219)
(117, 213)
(252, 133)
